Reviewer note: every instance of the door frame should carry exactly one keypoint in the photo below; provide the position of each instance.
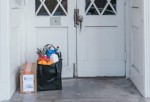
(127, 30)
(4, 39)
(146, 33)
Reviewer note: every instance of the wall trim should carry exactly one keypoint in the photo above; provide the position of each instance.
(4, 51)
(128, 36)
(146, 20)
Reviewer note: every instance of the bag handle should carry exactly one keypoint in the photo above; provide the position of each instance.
(50, 46)
(60, 55)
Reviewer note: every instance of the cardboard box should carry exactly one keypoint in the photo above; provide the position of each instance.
(28, 81)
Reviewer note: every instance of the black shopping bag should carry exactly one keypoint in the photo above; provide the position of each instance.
(49, 77)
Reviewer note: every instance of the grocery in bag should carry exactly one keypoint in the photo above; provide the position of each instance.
(48, 55)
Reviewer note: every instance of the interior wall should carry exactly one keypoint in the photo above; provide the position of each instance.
(0, 55)
(137, 45)
(146, 22)
(15, 26)
(4, 51)
(11, 31)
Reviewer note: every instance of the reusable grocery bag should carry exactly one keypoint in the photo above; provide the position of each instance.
(49, 76)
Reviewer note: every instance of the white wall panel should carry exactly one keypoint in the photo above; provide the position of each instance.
(135, 3)
(59, 37)
(4, 51)
(146, 9)
(136, 17)
(137, 46)
(14, 59)
(0, 55)
(14, 45)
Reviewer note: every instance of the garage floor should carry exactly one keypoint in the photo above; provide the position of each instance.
(87, 90)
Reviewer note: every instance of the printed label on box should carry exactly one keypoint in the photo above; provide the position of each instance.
(28, 83)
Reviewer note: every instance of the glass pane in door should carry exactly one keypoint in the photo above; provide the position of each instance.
(100, 7)
(51, 7)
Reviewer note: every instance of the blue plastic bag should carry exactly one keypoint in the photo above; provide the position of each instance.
(50, 52)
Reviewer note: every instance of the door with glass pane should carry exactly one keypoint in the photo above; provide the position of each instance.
(101, 38)
(91, 36)
(51, 22)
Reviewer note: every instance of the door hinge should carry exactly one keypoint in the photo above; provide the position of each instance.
(125, 56)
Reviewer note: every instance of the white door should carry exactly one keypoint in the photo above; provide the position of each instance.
(101, 38)
(51, 22)
(96, 46)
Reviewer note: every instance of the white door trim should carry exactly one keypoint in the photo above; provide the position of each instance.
(146, 21)
(4, 51)
(127, 35)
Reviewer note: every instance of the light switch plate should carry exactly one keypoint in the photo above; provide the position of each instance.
(55, 21)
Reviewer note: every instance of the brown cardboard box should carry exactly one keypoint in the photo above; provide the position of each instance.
(28, 82)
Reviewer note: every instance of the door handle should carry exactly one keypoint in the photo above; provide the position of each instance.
(78, 19)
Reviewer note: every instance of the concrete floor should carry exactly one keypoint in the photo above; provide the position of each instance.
(87, 90)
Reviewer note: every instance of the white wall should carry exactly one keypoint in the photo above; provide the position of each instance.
(137, 45)
(11, 46)
(14, 46)
(4, 50)
(16, 14)
(146, 22)
(0, 55)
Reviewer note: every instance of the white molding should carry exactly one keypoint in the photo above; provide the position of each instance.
(128, 35)
(4, 47)
(146, 20)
